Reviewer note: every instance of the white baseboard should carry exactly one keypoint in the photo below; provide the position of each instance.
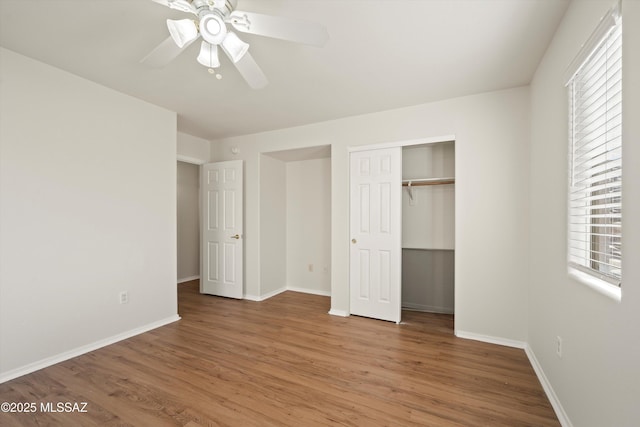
(78, 351)
(273, 293)
(309, 291)
(265, 296)
(427, 308)
(188, 279)
(341, 313)
(283, 289)
(490, 339)
(546, 385)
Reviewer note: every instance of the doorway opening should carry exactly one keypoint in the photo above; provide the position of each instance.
(188, 221)
(295, 221)
(428, 227)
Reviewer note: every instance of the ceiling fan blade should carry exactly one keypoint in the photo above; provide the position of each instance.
(251, 72)
(280, 28)
(164, 53)
(181, 5)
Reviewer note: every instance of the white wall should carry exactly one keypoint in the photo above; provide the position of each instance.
(309, 225)
(597, 380)
(188, 229)
(492, 134)
(192, 149)
(273, 228)
(88, 209)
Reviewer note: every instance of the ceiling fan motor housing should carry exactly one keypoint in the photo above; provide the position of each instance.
(223, 7)
(212, 15)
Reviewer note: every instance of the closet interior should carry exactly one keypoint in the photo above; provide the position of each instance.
(295, 216)
(428, 227)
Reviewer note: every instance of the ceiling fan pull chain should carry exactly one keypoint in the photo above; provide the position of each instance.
(213, 71)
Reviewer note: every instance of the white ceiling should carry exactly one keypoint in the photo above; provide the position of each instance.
(382, 54)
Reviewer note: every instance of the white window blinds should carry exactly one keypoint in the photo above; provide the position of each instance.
(595, 196)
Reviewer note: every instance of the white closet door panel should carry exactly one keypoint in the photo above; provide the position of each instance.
(375, 257)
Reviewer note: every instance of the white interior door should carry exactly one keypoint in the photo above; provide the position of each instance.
(222, 228)
(376, 233)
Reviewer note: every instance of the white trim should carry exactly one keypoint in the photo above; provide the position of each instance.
(284, 289)
(78, 351)
(537, 368)
(273, 293)
(309, 291)
(341, 313)
(192, 160)
(605, 288)
(490, 339)
(188, 279)
(607, 22)
(426, 308)
(546, 385)
(407, 143)
(264, 297)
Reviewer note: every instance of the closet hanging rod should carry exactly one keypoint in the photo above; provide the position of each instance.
(409, 183)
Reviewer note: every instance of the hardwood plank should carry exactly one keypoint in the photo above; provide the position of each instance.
(286, 362)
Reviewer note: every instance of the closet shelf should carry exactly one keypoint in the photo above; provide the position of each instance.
(427, 249)
(425, 181)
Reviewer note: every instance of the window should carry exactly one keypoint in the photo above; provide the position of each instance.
(595, 190)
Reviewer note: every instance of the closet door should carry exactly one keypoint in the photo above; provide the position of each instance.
(376, 221)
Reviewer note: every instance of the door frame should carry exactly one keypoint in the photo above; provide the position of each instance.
(197, 162)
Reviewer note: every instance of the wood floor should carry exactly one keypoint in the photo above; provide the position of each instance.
(286, 362)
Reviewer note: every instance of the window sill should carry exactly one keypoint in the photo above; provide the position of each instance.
(610, 291)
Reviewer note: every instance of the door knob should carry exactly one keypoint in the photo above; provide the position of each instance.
(354, 241)
(237, 236)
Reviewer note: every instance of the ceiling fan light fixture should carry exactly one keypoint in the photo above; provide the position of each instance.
(234, 47)
(213, 28)
(181, 5)
(182, 31)
(208, 55)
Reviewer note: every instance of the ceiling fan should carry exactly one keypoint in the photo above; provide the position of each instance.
(212, 17)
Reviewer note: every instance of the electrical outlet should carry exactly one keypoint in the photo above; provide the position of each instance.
(124, 297)
(559, 346)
